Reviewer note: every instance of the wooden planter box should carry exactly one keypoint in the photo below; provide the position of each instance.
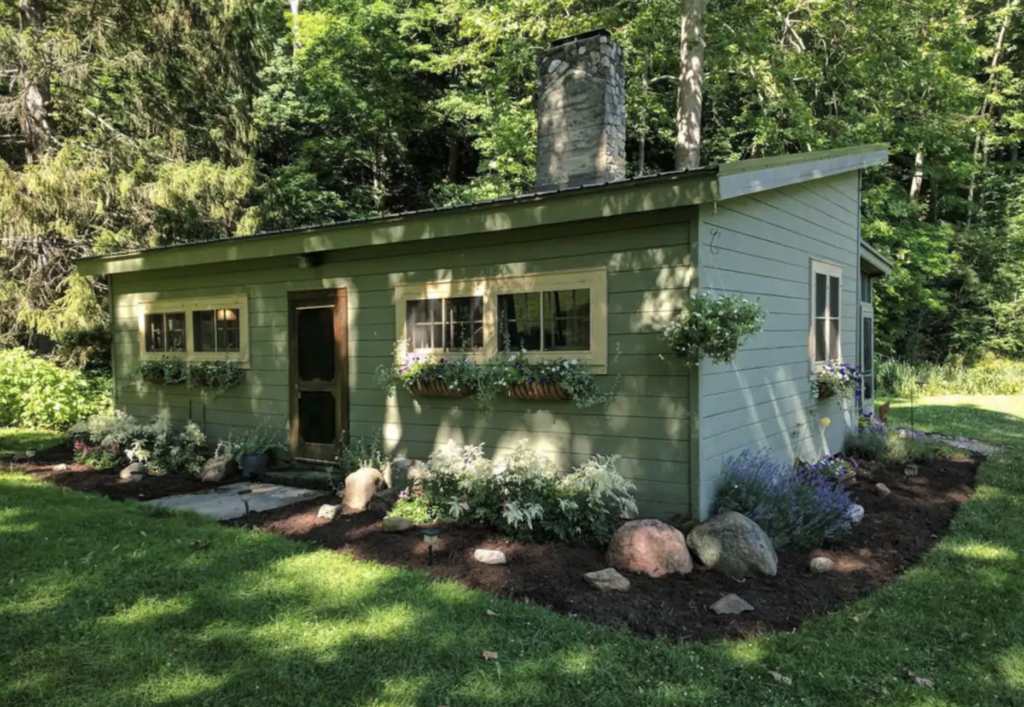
(436, 389)
(537, 391)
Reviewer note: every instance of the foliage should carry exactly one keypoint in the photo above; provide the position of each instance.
(485, 381)
(525, 496)
(991, 376)
(713, 327)
(217, 376)
(412, 505)
(35, 392)
(18, 441)
(108, 440)
(870, 422)
(261, 439)
(866, 445)
(797, 506)
(357, 453)
(836, 379)
(833, 467)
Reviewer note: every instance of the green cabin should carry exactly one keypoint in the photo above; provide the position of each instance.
(589, 266)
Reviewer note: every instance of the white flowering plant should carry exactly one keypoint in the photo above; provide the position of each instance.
(525, 496)
(713, 328)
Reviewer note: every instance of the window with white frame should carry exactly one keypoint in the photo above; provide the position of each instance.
(199, 329)
(826, 309)
(557, 315)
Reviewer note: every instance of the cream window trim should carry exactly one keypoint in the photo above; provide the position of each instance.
(831, 270)
(595, 280)
(188, 307)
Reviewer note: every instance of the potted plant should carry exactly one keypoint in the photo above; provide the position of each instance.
(836, 379)
(553, 380)
(427, 377)
(713, 328)
(253, 449)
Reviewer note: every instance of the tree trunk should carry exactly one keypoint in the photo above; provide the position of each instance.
(36, 126)
(917, 181)
(294, 4)
(690, 96)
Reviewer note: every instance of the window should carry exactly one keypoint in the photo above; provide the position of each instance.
(446, 324)
(201, 329)
(826, 307)
(549, 316)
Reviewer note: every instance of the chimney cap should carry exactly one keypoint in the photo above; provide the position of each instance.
(581, 36)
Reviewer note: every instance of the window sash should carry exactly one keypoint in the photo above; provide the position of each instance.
(826, 313)
(226, 335)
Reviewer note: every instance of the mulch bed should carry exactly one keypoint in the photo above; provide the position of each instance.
(895, 532)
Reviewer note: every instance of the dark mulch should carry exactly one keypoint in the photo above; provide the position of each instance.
(896, 531)
(105, 482)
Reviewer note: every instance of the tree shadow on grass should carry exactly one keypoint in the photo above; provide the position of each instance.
(106, 604)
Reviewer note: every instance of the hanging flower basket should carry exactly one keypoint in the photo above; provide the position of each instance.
(825, 392)
(436, 389)
(537, 391)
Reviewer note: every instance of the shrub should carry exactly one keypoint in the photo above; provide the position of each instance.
(793, 506)
(412, 504)
(903, 450)
(105, 441)
(713, 327)
(869, 446)
(990, 377)
(833, 467)
(36, 393)
(526, 497)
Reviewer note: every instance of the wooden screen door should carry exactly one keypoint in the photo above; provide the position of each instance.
(867, 358)
(318, 372)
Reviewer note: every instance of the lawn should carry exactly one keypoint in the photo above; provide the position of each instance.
(17, 441)
(112, 604)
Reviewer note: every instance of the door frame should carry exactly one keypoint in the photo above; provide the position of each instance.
(867, 311)
(338, 297)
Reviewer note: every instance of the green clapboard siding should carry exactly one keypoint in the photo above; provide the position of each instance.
(649, 275)
(761, 246)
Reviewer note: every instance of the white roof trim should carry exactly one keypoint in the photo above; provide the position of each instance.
(752, 176)
(877, 263)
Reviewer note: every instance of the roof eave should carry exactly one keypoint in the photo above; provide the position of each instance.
(874, 263)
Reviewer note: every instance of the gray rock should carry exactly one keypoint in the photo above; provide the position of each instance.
(490, 557)
(732, 543)
(383, 501)
(607, 580)
(218, 470)
(61, 467)
(910, 470)
(822, 565)
(882, 490)
(731, 604)
(360, 488)
(396, 525)
(649, 547)
(328, 511)
(134, 471)
(856, 514)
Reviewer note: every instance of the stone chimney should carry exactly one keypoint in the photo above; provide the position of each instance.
(581, 112)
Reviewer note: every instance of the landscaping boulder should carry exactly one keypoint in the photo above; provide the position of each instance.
(218, 470)
(882, 490)
(61, 467)
(732, 543)
(649, 547)
(731, 604)
(607, 580)
(856, 514)
(383, 501)
(822, 565)
(360, 488)
(328, 512)
(396, 525)
(134, 471)
(489, 557)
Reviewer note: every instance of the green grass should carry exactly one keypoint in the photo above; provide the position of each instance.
(107, 604)
(16, 441)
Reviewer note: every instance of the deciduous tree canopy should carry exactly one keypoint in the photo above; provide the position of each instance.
(129, 124)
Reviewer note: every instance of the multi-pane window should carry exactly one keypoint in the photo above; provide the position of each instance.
(826, 299)
(216, 330)
(165, 332)
(445, 324)
(200, 329)
(556, 320)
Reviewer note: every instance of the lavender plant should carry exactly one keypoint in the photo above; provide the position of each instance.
(793, 506)
(833, 466)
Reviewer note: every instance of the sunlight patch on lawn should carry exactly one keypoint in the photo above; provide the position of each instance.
(174, 686)
(984, 551)
(1011, 667)
(148, 610)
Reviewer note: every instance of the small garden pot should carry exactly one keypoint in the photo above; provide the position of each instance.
(848, 479)
(253, 465)
(537, 391)
(436, 389)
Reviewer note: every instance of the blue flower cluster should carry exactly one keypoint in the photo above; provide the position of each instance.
(870, 422)
(836, 378)
(794, 506)
(833, 466)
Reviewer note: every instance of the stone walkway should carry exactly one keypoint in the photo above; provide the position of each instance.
(225, 502)
(971, 445)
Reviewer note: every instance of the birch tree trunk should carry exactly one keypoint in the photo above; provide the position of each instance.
(917, 181)
(294, 4)
(690, 92)
(34, 116)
